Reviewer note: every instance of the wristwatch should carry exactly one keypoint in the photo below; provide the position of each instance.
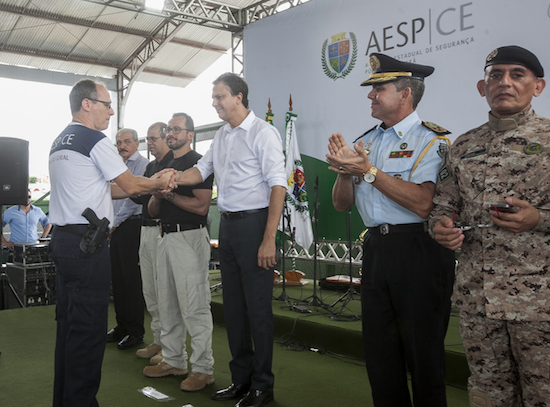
(370, 175)
(169, 196)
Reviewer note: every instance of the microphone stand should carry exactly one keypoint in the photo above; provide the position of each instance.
(348, 295)
(314, 300)
(284, 296)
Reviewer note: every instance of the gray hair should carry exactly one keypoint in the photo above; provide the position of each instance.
(126, 130)
(417, 88)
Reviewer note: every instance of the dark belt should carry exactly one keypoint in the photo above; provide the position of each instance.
(150, 222)
(133, 217)
(241, 214)
(386, 228)
(75, 229)
(177, 227)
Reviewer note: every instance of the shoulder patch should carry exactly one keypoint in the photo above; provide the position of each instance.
(365, 133)
(435, 128)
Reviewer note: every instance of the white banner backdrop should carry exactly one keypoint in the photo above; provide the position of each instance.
(293, 52)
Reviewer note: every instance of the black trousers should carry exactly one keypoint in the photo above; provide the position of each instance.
(127, 285)
(82, 285)
(406, 286)
(247, 293)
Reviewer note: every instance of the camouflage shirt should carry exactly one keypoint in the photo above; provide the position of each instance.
(501, 274)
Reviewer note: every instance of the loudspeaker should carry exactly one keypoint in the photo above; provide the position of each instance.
(14, 171)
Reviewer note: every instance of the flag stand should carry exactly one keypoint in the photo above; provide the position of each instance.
(348, 295)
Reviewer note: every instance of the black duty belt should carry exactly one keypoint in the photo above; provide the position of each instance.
(75, 229)
(177, 227)
(386, 228)
(241, 214)
(133, 217)
(150, 222)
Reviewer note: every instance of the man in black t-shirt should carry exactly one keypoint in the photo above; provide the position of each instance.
(156, 143)
(182, 267)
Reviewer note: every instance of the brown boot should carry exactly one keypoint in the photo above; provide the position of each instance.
(148, 352)
(163, 369)
(196, 381)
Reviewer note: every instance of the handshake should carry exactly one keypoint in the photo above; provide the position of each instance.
(168, 178)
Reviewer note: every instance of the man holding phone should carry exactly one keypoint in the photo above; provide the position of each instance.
(502, 282)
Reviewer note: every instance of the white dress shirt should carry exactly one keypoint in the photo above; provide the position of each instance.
(247, 161)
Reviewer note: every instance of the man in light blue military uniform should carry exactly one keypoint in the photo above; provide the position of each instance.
(407, 276)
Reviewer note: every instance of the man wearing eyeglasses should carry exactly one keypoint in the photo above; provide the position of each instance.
(182, 267)
(124, 247)
(156, 142)
(247, 160)
(23, 221)
(82, 163)
(502, 283)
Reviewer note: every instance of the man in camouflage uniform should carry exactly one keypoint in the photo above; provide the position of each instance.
(503, 279)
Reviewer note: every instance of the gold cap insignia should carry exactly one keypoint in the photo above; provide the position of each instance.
(492, 55)
(374, 63)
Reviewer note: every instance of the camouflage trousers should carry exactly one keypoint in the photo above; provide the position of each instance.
(508, 360)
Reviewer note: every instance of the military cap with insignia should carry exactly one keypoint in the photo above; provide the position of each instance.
(387, 69)
(514, 55)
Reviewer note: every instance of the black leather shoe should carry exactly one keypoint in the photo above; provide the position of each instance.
(129, 341)
(114, 336)
(256, 398)
(234, 391)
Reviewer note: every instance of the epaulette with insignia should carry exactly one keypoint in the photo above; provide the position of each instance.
(368, 131)
(435, 128)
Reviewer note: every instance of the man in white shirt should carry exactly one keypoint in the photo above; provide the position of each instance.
(82, 162)
(248, 164)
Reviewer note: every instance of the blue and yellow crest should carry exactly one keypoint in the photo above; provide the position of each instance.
(342, 55)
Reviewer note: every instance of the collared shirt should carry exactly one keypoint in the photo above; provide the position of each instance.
(501, 274)
(23, 225)
(152, 168)
(405, 141)
(124, 208)
(247, 161)
(82, 162)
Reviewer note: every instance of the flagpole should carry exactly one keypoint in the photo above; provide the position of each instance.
(284, 296)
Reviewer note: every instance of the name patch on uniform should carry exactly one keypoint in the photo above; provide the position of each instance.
(401, 154)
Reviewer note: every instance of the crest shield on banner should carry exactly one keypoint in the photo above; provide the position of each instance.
(296, 194)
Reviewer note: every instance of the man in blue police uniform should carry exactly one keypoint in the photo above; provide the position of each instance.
(82, 162)
(407, 276)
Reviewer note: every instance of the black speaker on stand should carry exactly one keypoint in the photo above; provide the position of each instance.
(14, 171)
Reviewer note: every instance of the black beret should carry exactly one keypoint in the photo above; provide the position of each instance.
(514, 55)
(387, 69)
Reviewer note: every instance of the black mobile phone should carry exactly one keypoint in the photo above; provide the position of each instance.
(504, 208)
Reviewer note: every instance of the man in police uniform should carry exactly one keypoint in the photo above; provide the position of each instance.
(124, 250)
(82, 162)
(502, 284)
(407, 276)
(156, 142)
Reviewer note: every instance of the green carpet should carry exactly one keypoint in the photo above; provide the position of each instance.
(303, 378)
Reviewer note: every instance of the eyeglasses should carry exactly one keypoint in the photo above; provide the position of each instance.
(127, 142)
(175, 130)
(152, 139)
(107, 104)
